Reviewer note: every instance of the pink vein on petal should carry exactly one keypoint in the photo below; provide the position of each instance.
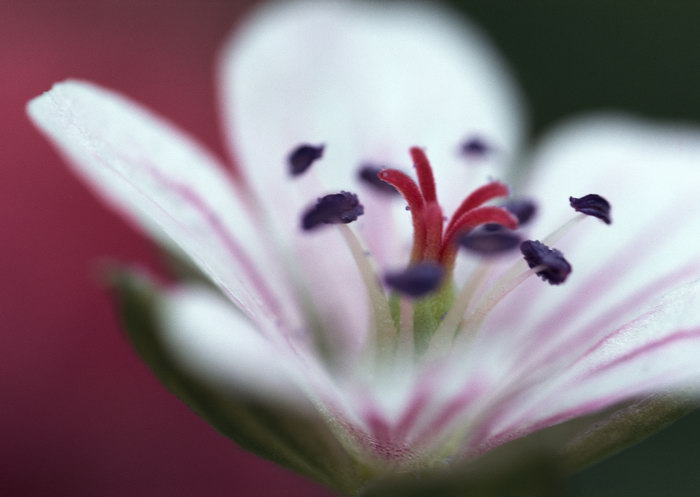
(598, 284)
(449, 412)
(415, 407)
(194, 200)
(233, 248)
(489, 443)
(584, 409)
(649, 347)
(583, 336)
(378, 425)
(607, 400)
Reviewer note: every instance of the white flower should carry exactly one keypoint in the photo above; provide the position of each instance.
(304, 356)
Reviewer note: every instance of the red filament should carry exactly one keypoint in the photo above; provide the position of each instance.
(410, 192)
(425, 174)
(479, 197)
(433, 232)
(467, 222)
(430, 241)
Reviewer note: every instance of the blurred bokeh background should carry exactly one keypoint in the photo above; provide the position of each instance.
(81, 415)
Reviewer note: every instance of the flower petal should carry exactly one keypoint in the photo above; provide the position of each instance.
(368, 80)
(208, 337)
(657, 351)
(161, 179)
(649, 174)
(209, 364)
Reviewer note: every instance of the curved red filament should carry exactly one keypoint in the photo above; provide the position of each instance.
(477, 198)
(425, 174)
(433, 232)
(412, 194)
(430, 241)
(469, 221)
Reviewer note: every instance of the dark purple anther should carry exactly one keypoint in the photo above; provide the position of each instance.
(301, 158)
(368, 174)
(475, 147)
(490, 242)
(592, 205)
(337, 208)
(557, 268)
(522, 208)
(417, 280)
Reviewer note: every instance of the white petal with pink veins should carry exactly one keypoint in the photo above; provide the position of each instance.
(160, 178)
(210, 339)
(651, 176)
(657, 351)
(368, 80)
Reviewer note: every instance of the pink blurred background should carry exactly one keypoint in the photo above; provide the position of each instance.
(81, 415)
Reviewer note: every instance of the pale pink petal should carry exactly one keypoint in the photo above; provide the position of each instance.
(210, 339)
(158, 177)
(368, 80)
(657, 351)
(650, 175)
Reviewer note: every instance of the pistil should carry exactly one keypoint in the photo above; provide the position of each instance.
(467, 222)
(416, 205)
(423, 316)
(433, 243)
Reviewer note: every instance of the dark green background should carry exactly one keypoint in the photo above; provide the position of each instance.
(638, 56)
(635, 55)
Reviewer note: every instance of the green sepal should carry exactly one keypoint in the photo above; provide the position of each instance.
(182, 268)
(300, 442)
(622, 427)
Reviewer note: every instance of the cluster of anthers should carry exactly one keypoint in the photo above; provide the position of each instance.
(423, 312)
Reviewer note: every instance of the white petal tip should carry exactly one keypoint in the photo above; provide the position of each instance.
(211, 339)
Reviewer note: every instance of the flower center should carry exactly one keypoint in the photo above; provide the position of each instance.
(432, 241)
(424, 307)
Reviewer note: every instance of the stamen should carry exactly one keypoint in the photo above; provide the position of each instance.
(479, 197)
(554, 267)
(475, 147)
(551, 239)
(425, 175)
(410, 192)
(596, 206)
(382, 343)
(559, 233)
(443, 336)
(490, 242)
(550, 265)
(498, 292)
(522, 208)
(337, 208)
(469, 221)
(370, 175)
(301, 158)
(592, 205)
(418, 280)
